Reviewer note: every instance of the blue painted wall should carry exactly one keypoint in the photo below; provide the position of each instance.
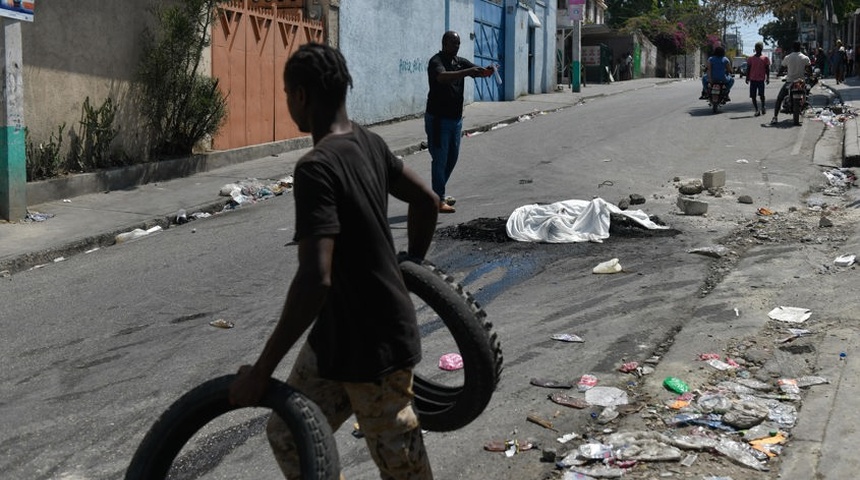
(387, 45)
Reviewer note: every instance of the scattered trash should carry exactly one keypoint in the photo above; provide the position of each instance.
(91, 250)
(566, 437)
(567, 337)
(788, 385)
(59, 259)
(547, 383)
(709, 356)
(606, 396)
(451, 361)
(629, 367)
(66, 200)
(720, 365)
(568, 400)
(37, 217)
(689, 460)
(609, 266)
(181, 217)
(543, 423)
(808, 381)
(740, 454)
(586, 382)
(221, 323)
(742, 160)
(676, 385)
(607, 415)
(765, 212)
(356, 431)
(844, 261)
(790, 314)
(135, 234)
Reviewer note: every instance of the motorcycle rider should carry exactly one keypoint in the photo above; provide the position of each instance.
(719, 71)
(797, 64)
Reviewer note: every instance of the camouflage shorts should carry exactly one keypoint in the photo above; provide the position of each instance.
(383, 410)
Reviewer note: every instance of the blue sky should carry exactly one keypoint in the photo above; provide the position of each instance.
(749, 32)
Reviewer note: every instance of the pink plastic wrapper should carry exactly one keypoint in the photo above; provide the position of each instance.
(709, 356)
(586, 382)
(629, 367)
(451, 361)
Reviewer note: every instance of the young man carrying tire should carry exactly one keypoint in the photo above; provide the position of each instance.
(359, 356)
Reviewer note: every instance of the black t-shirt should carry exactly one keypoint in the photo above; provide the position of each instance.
(446, 99)
(367, 327)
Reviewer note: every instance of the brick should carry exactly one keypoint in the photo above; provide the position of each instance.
(714, 179)
(691, 206)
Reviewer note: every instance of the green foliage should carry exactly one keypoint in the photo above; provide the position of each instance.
(673, 26)
(781, 32)
(93, 148)
(46, 159)
(181, 105)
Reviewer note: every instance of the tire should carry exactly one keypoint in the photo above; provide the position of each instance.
(715, 104)
(443, 408)
(795, 111)
(315, 442)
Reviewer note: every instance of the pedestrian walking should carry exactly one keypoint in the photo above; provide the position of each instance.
(849, 69)
(443, 117)
(364, 342)
(758, 75)
(628, 66)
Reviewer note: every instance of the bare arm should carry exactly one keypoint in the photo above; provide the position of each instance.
(448, 77)
(303, 303)
(423, 211)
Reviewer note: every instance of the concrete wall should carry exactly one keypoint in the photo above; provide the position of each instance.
(387, 46)
(78, 49)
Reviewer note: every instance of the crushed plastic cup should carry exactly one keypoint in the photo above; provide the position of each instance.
(609, 266)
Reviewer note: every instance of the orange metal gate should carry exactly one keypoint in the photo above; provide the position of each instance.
(250, 45)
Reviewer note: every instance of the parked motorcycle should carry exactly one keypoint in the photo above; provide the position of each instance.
(799, 92)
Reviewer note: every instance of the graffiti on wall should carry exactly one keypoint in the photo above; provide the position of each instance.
(415, 65)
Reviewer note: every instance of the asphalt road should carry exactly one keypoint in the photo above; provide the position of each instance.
(99, 345)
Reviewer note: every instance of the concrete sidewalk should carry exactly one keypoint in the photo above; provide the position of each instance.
(89, 212)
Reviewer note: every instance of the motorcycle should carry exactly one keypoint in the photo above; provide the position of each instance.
(797, 100)
(717, 93)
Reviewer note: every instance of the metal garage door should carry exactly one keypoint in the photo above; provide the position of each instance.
(489, 47)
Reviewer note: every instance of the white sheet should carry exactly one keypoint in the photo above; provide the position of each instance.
(569, 221)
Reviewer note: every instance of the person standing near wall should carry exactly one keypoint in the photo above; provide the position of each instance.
(758, 74)
(443, 117)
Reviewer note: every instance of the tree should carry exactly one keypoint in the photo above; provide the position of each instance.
(780, 32)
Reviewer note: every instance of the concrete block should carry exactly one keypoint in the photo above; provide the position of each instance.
(714, 179)
(691, 206)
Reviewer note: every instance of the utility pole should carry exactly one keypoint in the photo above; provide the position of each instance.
(575, 10)
(13, 160)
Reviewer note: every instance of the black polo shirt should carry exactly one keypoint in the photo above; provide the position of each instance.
(446, 99)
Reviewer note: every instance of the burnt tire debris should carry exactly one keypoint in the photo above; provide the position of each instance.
(318, 456)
